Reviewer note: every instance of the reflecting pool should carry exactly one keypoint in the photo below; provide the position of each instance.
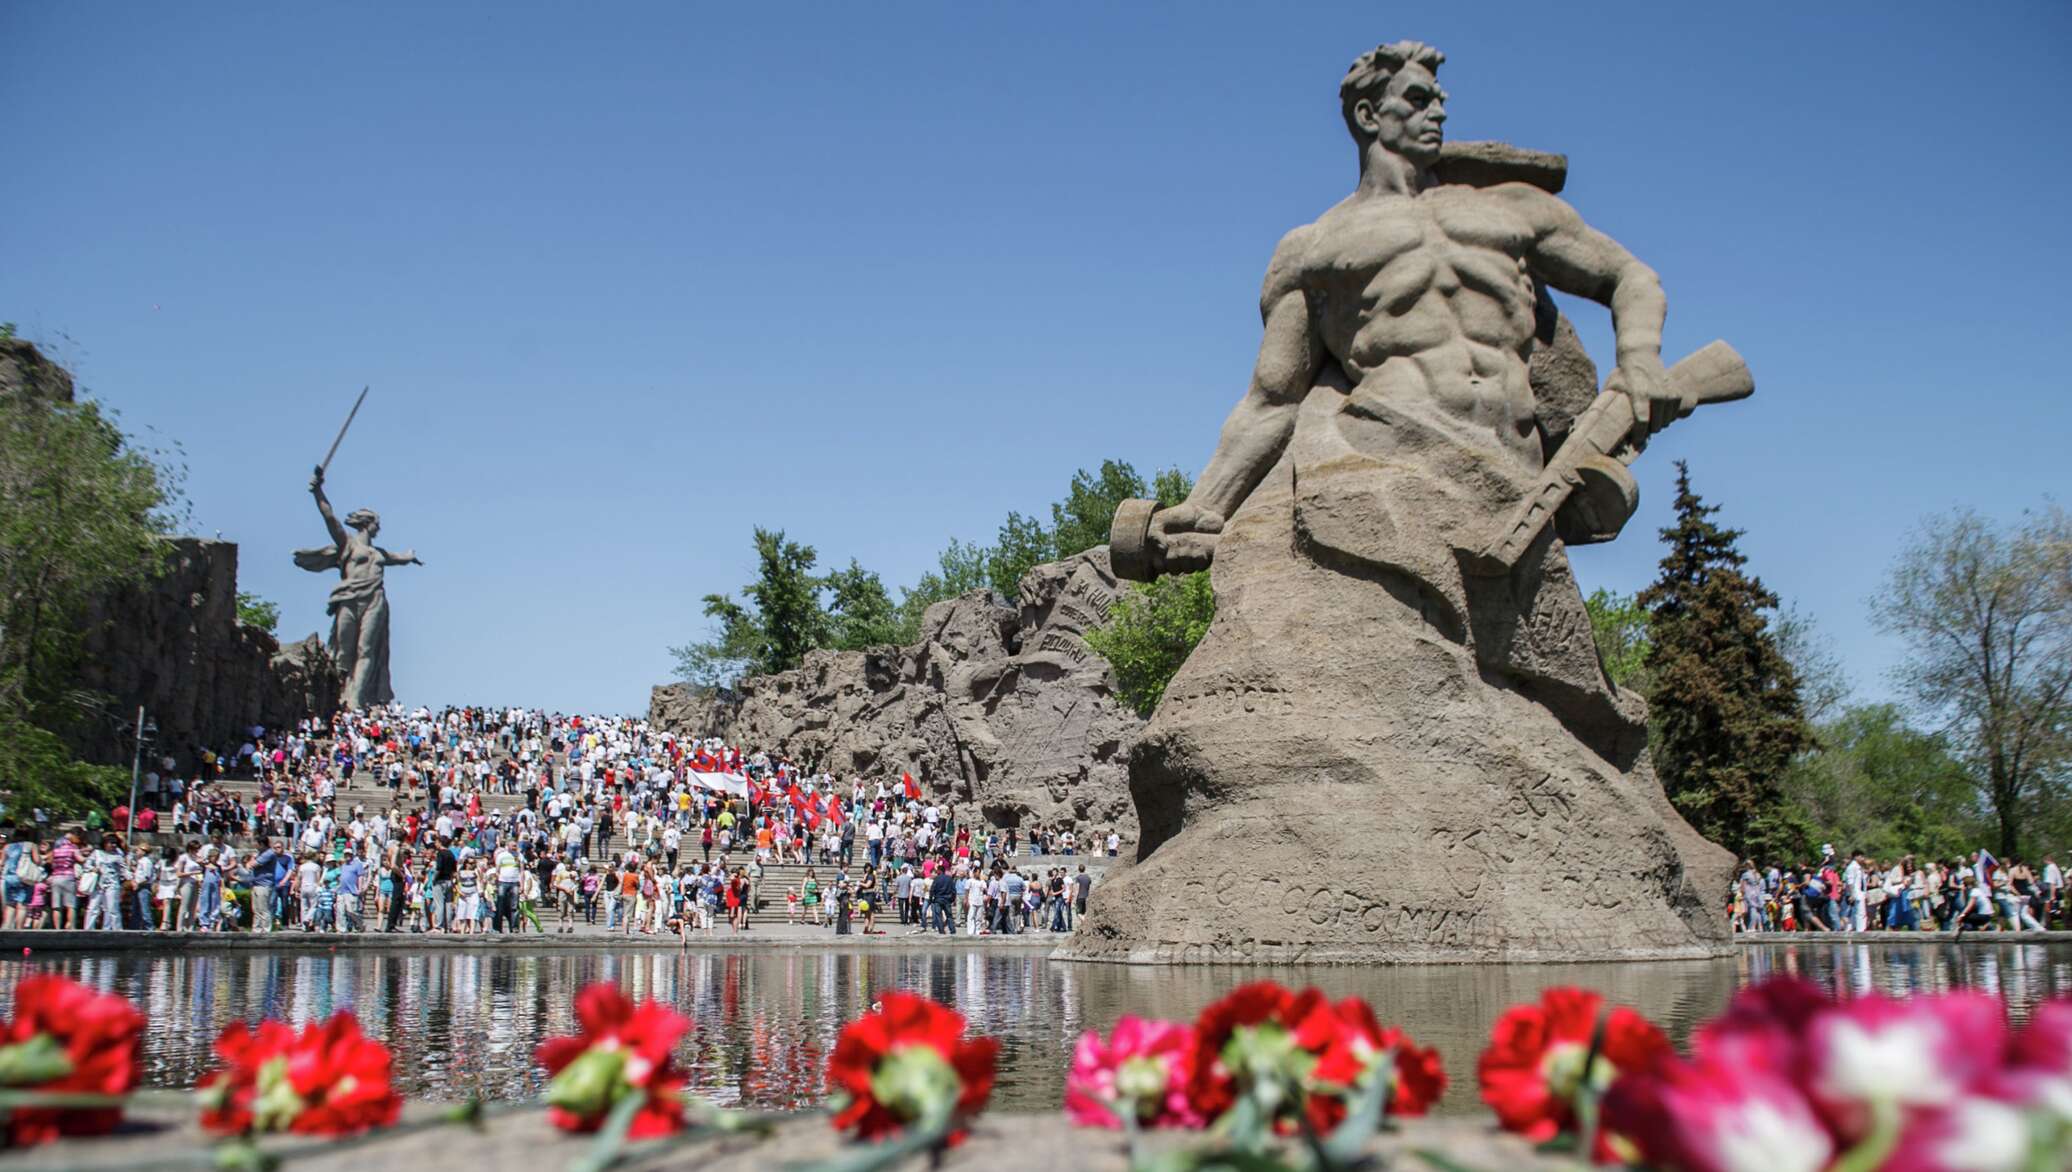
(465, 1023)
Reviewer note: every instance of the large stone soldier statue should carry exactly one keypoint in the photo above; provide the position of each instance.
(1397, 741)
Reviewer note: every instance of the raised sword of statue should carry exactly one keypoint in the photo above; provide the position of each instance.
(326, 465)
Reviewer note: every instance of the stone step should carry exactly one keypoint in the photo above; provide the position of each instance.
(620, 841)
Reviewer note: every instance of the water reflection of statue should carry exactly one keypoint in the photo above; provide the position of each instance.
(359, 604)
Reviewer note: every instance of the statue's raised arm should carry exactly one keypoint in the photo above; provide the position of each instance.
(316, 489)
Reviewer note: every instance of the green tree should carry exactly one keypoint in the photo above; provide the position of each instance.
(786, 595)
(860, 611)
(1878, 785)
(1823, 682)
(773, 630)
(1024, 544)
(1150, 632)
(1725, 705)
(37, 769)
(258, 613)
(1082, 520)
(723, 659)
(1620, 626)
(960, 569)
(1168, 488)
(83, 513)
(1986, 616)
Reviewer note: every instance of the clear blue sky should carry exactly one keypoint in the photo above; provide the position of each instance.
(630, 279)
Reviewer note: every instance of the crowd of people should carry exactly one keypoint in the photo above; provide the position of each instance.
(386, 821)
(1859, 894)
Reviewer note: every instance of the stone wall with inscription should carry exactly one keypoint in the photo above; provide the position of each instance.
(1000, 706)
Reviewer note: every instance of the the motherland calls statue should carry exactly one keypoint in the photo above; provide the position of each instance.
(359, 604)
(1396, 741)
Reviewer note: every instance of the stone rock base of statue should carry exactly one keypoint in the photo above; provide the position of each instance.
(1338, 776)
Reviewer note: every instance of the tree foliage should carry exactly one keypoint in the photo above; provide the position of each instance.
(1620, 626)
(1878, 785)
(960, 569)
(860, 612)
(789, 610)
(258, 613)
(1153, 627)
(1081, 521)
(37, 770)
(781, 621)
(1022, 545)
(1986, 615)
(83, 512)
(1728, 721)
(1078, 523)
(1151, 631)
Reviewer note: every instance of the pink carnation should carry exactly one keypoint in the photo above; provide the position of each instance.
(1972, 1134)
(1922, 1052)
(1143, 1065)
(1712, 1115)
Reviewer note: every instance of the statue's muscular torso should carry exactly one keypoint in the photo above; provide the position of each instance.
(1428, 299)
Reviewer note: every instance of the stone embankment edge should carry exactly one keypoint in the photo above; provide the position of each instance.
(998, 1143)
(1054, 947)
(160, 943)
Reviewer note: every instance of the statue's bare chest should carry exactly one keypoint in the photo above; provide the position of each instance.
(1388, 253)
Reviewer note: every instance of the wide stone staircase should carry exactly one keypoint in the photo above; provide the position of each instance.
(777, 880)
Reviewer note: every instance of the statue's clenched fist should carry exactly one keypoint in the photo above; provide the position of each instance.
(1185, 537)
(1645, 382)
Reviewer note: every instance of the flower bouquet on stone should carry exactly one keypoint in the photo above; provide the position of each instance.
(68, 1058)
(623, 1054)
(906, 1069)
(327, 1079)
(1550, 1062)
(1262, 1062)
(1788, 1080)
(618, 1078)
(1137, 1076)
(1268, 1058)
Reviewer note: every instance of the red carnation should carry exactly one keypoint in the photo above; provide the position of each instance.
(1263, 1030)
(67, 1039)
(906, 1060)
(1533, 1068)
(624, 1049)
(329, 1079)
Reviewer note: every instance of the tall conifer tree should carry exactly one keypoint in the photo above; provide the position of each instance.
(1728, 718)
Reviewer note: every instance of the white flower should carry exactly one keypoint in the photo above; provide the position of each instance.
(1758, 1135)
(1894, 1061)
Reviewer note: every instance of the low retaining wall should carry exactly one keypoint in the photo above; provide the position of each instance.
(998, 1143)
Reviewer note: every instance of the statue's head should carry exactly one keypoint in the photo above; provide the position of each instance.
(1391, 96)
(365, 520)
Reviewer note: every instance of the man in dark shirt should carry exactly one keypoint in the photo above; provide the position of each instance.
(445, 866)
(942, 899)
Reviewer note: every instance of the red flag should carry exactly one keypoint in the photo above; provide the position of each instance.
(834, 810)
(913, 788)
